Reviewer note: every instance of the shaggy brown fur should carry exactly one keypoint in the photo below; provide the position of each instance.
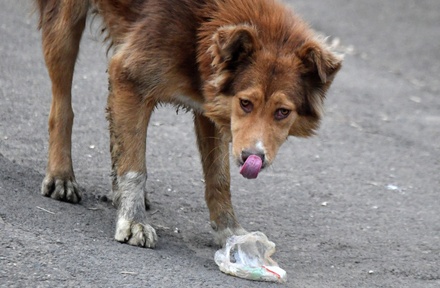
(251, 70)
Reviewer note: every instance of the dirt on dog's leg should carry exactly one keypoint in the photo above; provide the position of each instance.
(128, 114)
(62, 28)
(214, 152)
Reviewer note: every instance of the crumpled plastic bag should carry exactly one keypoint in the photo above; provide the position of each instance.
(248, 256)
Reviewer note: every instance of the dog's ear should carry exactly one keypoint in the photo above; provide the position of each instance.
(319, 67)
(318, 61)
(232, 45)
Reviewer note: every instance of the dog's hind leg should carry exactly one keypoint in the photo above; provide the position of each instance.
(62, 24)
(128, 113)
(214, 152)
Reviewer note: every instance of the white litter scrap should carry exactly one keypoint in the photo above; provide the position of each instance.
(393, 187)
(248, 256)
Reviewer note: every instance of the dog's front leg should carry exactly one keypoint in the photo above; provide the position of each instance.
(214, 151)
(128, 114)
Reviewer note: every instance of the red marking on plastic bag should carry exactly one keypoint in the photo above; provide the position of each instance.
(273, 272)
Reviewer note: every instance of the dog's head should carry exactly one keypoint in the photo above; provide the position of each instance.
(263, 90)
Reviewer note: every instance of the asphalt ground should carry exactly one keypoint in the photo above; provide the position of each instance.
(356, 206)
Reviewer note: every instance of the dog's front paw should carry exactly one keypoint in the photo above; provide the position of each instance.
(222, 235)
(135, 233)
(63, 189)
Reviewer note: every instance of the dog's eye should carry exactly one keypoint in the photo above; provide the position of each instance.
(281, 113)
(246, 105)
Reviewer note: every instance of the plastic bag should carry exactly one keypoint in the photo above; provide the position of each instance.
(248, 256)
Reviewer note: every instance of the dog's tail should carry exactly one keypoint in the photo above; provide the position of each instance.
(49, 10)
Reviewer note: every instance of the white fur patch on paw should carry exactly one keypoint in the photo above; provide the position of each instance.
(136, 234)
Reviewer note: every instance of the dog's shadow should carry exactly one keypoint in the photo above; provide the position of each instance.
(23, 206)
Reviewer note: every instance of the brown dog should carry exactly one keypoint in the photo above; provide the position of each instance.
(251, 71)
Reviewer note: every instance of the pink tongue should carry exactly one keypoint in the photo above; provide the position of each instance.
(251, 167)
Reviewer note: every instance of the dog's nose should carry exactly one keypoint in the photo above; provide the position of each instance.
(246, 153)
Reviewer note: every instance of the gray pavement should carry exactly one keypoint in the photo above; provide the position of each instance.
(356, 206)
